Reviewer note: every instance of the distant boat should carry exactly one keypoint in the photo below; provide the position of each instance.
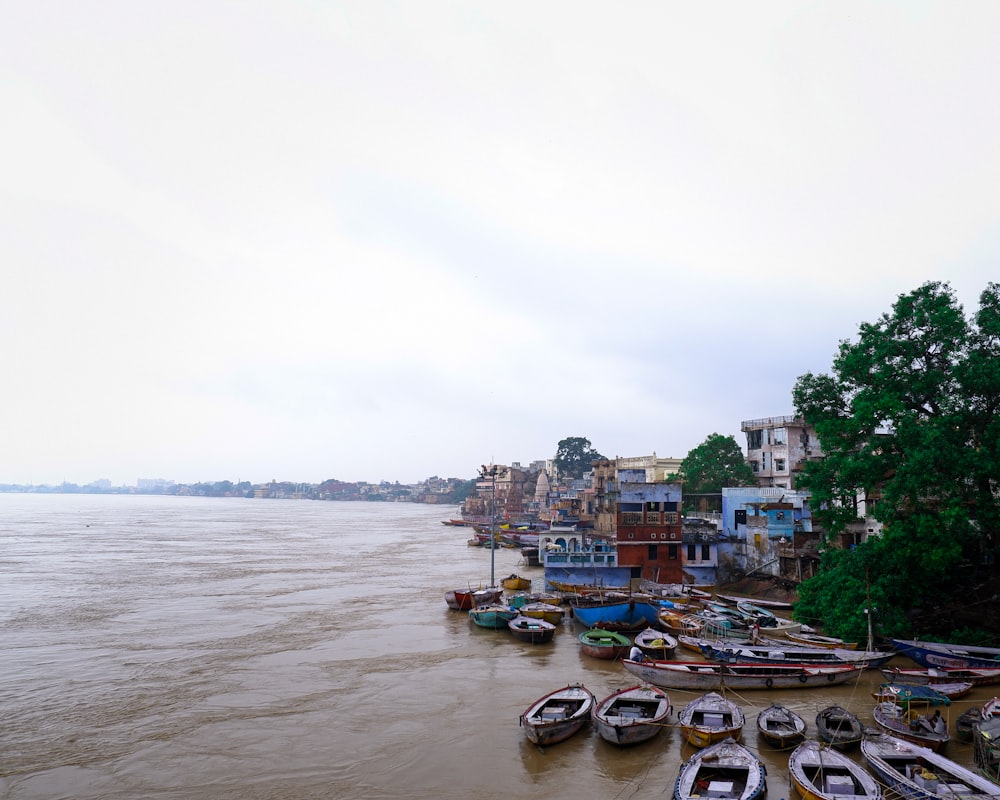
(464, 599)
(839, 728)
(795, 655)
(732, 599)
(655, 644)
(547, 611)
(623, 615)
(609, 645)
(780, 727)
(815, 640)
(494, 616)
(726, 769)
(821, 773)
(515, 582)
(742, 677)
(952, 656)
(978, 676)
(711, 718)
(897, 721)
(557, 715)
(919, 773)
(533, 631)
(631, 715)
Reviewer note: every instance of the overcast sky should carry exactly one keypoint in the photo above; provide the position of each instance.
(384, 241)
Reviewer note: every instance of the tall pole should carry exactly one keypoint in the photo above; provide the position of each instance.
(491, 472)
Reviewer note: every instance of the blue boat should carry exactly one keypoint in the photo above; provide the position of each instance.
(949, 656)
(620, 615)
(492, 616)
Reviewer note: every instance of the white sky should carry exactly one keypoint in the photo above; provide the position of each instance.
(371, 240)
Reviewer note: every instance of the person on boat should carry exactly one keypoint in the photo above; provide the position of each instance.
(937, 723)
(635, 654)
(755, 633)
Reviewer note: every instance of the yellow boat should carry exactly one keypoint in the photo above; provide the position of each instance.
(515, 583)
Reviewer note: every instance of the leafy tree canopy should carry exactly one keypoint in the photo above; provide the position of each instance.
(716, 463)
(573, 456)
(908, 419)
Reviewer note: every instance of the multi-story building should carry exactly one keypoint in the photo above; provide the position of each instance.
(777, 447)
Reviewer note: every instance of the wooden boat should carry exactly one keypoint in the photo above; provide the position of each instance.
(821, 773)
(774, 605)
(558, 715)
(550, 613)
(815, 640)
(493, 616)
(952, 656)
(627, 615)
(986, 746)
(991, 708)
(742, 677)
(780, 727)
(967, 722)
(514, 583)
(711, 718)
(533, 631)
(655, 644)
(911, 725)
(918, 773)
(678, 622)
(465, 599)
(977, 676)
(906, 691)
(749, 653)
(839, 728)
(725, 770)
(609, 645)
(632, 715)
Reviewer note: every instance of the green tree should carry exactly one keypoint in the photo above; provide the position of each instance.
(907, 418)
(716, 463)
(574, 455)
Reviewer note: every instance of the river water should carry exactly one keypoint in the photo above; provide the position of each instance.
(159, 647)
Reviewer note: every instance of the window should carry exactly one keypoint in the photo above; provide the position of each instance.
(766, 461)
(780, 436)
(672, 552)
(754, 439)
(706, 552)
(691, 552)
(779, 465)
(755, 465)
(651, 552)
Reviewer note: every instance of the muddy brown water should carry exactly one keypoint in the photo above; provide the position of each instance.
(228, 648)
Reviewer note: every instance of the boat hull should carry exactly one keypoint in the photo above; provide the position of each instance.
(765, 677)
(710, 719)
(466, 599)
(631, 715)
(744, 773)
(820, 773)
(607, 645)
(949, 656)
(780, 726)
(533, 631)
(839, 728)
(558, 715)
(918, 773)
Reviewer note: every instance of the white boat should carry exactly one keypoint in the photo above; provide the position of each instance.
(918, 773)
(821, 773)
(558, 715)
(706, 675)
(726, 770)
(631, 715)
